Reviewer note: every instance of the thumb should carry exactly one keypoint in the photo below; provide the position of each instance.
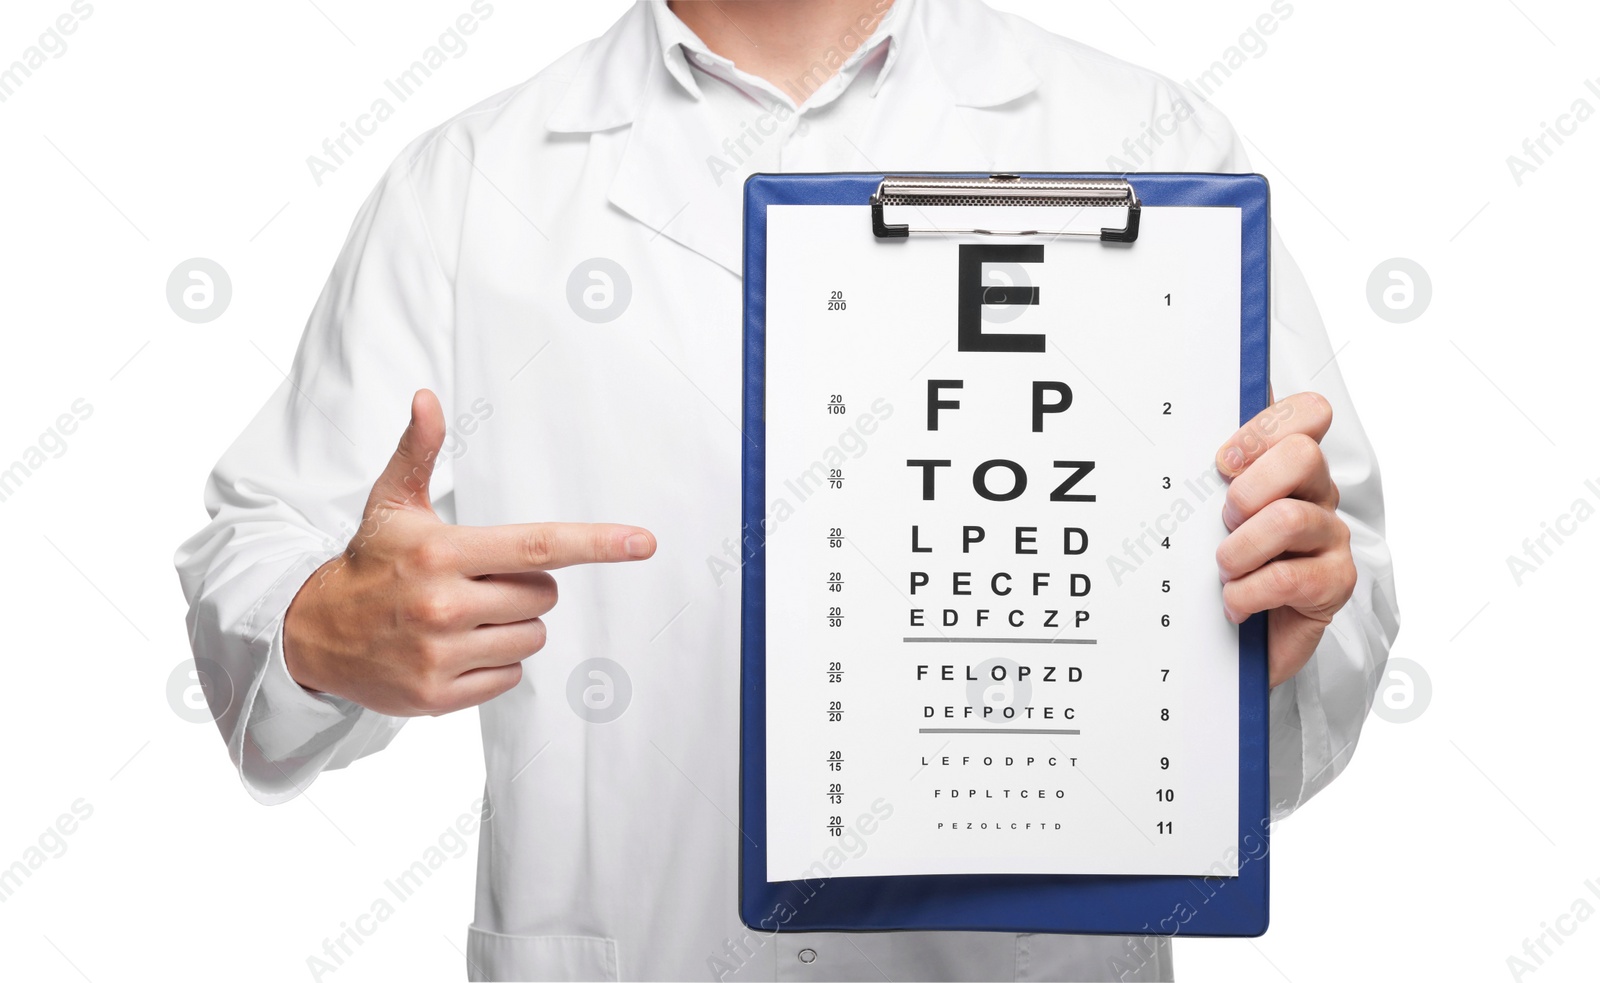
(404, 482)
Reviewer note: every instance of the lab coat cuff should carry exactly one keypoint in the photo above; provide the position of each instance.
(1308, 749)
(285, 712)
(1317, 717)
(289, 732)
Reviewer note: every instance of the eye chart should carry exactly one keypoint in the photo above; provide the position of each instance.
(993, 617)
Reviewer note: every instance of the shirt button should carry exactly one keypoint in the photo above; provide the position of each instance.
(808, 956)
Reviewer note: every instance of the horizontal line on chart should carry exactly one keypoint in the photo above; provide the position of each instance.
(995, 730)
(1002, 638)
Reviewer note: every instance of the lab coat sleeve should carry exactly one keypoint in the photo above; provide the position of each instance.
(289, 494)
(1316, 717)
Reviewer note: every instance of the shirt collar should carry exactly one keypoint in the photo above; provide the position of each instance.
(963, 47)
(681, 51)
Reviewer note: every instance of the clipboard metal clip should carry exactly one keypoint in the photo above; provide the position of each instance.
(1006, 189)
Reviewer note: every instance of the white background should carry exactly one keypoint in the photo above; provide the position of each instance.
(181, 129)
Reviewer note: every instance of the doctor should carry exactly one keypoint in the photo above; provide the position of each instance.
(549, 285)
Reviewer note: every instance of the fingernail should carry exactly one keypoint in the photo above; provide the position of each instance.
(1232, 460)
(637, 545)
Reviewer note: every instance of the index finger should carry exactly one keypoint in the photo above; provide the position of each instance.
(530, 546)
(1308, 413)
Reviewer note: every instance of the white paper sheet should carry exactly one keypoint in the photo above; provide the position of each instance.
(1086, 722)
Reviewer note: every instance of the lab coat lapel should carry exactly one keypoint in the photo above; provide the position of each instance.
(666, 177)
(638, 115)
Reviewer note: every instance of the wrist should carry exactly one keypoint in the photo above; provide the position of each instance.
(298, 634)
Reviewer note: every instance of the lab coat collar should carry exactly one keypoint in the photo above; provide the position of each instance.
(956, 51)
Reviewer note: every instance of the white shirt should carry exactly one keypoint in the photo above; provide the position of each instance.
(611, 853)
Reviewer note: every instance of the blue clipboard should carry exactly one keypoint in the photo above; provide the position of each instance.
(1022, 903)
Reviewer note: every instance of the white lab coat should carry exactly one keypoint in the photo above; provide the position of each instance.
(613, 854)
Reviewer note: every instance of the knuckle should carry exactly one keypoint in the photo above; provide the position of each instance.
(430, 660)
(513, 678)
(1314, 582)
(1285, 579)
(424, 695)
(432, 554)
(1333, 495)
(431, 609)
(1318, 412)
(536, 596)
(1239, 497)
(539, 546)
(538, 634)
(1231, 564)
(1319, 407)
(1303, 447)
(1293, 522)
(1348, 575)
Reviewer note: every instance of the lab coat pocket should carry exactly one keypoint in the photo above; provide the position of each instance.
(492, 956)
